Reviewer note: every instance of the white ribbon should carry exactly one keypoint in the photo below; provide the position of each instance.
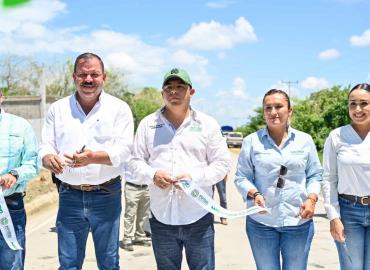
(6, 224)
(202, 198)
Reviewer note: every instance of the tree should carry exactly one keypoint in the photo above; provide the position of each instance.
(322, 112)
(19, 75)
(144, 103)
(59, 79)
(254, 123)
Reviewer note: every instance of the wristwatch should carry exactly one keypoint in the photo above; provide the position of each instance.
(14, 173)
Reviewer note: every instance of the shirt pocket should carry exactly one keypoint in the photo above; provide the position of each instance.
(11, 145)
(264, 162)
(104, 133)
(297, 162)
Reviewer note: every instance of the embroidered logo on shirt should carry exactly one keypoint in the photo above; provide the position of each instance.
(156, 126)
(195, 128)
(297, 152)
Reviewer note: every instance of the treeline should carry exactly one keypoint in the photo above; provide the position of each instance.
(316, 115)
(23, 76)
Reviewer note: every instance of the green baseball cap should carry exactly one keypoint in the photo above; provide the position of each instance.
(177, 73)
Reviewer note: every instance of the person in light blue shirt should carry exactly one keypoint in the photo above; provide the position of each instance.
(18, 164)
(278, 168)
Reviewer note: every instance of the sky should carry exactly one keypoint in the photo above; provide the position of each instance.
(234, 50)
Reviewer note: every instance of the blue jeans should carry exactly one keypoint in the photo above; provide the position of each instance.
(79, 212)
(197, 238)
(221, 189)
(293, 242)
(11, 259)
(356, 221)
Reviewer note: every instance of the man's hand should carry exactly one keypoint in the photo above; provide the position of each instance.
(7, 181)
(337, 230)
(79, 159)
(162, 179)
(307, 209)
(53, 163)
(180, 177)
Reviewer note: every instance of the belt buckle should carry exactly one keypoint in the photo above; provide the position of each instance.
(86, 187)
(365, 198)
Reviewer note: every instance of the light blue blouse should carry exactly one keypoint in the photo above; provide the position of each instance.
(258, 168)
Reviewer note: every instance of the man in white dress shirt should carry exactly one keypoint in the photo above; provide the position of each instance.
(178, 142)
(85, 140)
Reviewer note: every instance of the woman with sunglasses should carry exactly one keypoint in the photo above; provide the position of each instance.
(346, 182)
(278, 168)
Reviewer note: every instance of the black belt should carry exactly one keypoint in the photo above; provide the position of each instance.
(15, 195)
(356, 199)
(137, 186)
(88, 188)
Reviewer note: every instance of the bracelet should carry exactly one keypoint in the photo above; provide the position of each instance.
(256, 194)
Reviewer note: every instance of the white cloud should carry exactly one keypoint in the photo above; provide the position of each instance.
(214, 35)
(219, 4)
(362, 40)
(239, 88)
(36, 12)
(237, 91)
(329, 54)
(314, 83)
(195, 64)
(26, 31)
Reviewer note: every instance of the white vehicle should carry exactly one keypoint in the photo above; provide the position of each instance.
(234, 139)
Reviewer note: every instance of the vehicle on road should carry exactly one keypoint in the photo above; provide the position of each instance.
(234, 139)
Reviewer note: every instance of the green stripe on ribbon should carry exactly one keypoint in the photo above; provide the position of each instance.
(13, 3)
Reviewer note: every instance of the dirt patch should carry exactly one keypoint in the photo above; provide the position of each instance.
(38, 186)
(235, 150)
(40, 193)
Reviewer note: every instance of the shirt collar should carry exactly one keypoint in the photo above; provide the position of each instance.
(101, 99)
(265, 132)
(194, 114)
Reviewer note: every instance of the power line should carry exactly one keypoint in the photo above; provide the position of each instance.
(289, 83)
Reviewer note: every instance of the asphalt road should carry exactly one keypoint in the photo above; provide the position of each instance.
(231, 247)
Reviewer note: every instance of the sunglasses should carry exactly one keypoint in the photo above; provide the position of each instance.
(281, 182)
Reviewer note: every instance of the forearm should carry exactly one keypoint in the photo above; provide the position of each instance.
(100, 157)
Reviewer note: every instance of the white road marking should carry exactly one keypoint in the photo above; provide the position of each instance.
(48, 221)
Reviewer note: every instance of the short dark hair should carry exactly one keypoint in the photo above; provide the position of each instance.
(88, 55)
(360, 86)
(276, 91)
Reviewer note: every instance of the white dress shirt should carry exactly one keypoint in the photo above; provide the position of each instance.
(108, 127)
(196, 148)
(346, 167)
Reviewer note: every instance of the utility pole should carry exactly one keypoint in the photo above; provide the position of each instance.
(289, 83)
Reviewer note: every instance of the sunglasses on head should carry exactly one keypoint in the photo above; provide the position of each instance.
(283, 171)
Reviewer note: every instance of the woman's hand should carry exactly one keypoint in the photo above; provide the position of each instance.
(307, 209)
(337, 230)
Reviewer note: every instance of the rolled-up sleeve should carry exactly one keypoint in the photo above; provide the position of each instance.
(313, 170)
(244, 176)
(119, 151)
(330, 180)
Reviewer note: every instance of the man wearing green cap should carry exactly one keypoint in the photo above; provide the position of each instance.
(179, 142)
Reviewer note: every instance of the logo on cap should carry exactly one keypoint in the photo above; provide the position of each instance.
(174, 71)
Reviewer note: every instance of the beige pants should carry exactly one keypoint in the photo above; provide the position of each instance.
(136, 209)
